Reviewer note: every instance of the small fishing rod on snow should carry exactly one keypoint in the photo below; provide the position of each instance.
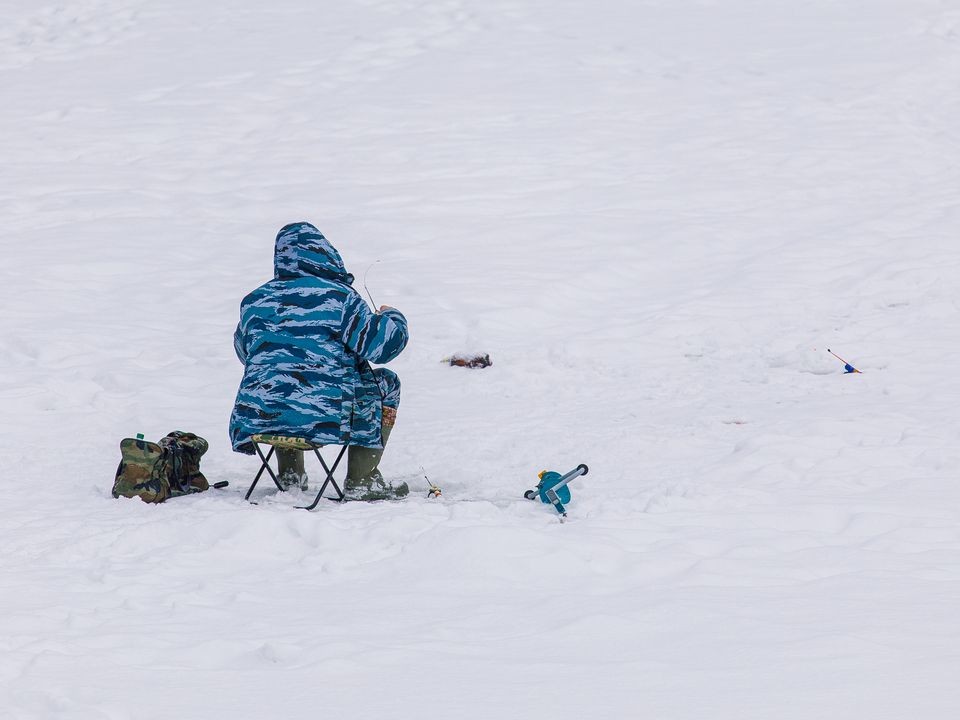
(847, 367)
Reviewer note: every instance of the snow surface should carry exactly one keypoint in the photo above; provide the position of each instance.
(654, 215)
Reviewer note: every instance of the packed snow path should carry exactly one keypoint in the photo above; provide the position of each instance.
(655, 216)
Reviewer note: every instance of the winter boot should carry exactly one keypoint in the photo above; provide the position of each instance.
(364, 481)
(290, 470)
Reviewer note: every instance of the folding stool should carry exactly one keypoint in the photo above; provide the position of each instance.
(284, 442)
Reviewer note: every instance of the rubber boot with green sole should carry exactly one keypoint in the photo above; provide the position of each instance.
(364, 481)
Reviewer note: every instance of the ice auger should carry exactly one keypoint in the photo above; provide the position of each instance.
(553, 488)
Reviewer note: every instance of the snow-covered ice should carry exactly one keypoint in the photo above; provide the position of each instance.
(655, 216)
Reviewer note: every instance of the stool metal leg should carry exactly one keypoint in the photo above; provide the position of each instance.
(329, 479)
(264, 466)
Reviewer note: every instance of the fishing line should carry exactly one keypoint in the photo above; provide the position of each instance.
(375, 306)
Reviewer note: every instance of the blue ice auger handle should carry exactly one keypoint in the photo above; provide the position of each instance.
(552, 488)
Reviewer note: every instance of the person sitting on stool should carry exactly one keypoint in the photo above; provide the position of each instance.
(306, 339)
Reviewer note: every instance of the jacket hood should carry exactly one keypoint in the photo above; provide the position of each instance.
(303, 251)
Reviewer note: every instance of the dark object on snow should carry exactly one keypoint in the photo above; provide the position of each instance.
(154, 472)
(469, 361)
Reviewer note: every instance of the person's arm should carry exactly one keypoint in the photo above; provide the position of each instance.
(238, 344)
(376, 337)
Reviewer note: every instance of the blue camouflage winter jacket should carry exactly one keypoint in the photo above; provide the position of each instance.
(306, 339)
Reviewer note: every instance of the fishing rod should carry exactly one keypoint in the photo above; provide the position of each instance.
(847, 367)
(365, 284)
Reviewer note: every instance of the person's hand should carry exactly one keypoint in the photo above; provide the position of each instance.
(386, 307)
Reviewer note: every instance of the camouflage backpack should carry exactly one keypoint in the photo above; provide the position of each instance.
(157, 471)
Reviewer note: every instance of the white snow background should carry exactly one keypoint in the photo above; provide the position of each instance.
(654, 215)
